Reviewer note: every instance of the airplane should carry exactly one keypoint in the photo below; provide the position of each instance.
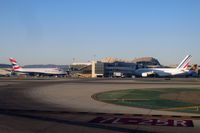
(167, 72)
(5, 72)
(34, 71)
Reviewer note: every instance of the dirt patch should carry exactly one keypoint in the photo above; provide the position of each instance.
(188, 97)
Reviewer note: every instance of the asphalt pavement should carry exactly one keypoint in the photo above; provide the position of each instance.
(61, 105)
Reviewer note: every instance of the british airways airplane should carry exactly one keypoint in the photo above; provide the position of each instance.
(45, 71)
(167, 72)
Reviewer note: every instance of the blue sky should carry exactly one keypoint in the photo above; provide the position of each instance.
(56, 31)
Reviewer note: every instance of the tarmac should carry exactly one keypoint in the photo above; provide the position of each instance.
(66, 105)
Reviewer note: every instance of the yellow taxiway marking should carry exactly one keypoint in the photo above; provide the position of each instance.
(160, 90)
(120, 93)
(192, 107)
(123, 99)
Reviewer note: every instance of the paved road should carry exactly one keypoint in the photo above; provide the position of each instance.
(75, 96)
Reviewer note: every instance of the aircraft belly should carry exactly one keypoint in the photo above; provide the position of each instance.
(163, 74)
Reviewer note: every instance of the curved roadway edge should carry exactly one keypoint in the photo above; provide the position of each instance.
(77, 97)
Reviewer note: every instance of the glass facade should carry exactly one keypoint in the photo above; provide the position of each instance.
(127, 69)
(106, 69)
(99, 68)
(83, 69)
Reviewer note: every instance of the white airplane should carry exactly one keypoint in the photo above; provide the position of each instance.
(167, 72)
(5, 72)
(44, 71)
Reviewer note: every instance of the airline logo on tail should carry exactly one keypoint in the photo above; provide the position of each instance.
(14, 64)
(184, 64)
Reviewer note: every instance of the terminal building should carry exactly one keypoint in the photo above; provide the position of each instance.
(119, 69)
(111, 67)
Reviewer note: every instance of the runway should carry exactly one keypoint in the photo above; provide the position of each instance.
(75, 96)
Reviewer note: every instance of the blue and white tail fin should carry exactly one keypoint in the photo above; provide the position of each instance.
(184, 64)
(14, 65)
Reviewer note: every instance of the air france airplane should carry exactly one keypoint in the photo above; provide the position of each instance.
(45, 71)
(167, 72)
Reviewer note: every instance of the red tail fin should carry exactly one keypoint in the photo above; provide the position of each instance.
(14, 64)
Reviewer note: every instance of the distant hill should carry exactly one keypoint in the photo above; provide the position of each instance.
(5, 66)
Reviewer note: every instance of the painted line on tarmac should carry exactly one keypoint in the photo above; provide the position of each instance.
(87, 124)
(94, 96)
(130, 99)
(143, 121)
(99, 113)
(191, 107)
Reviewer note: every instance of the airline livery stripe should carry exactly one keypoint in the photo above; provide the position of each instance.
(185, 63)
(13, 61)
(18, 67)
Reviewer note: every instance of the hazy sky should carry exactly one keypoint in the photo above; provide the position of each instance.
(56, 31)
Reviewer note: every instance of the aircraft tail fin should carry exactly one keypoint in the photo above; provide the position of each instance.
(193, 67)
(184, 64)
(14, 64)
